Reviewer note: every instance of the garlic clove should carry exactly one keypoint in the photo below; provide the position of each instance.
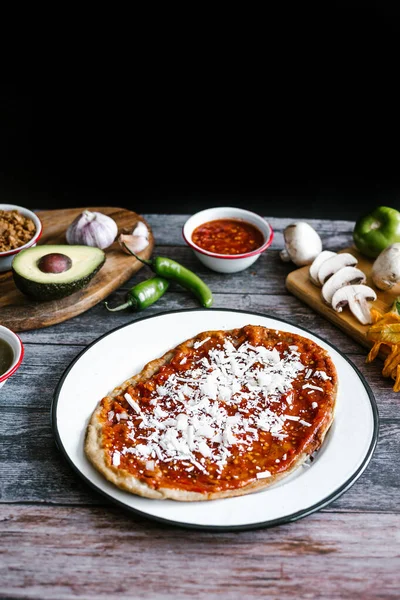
(141, 230)
(136, 243)
(92, 229)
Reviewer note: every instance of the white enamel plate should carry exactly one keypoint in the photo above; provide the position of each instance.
(118, 355)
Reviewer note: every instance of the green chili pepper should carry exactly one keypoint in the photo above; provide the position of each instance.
(170, 269)
(377, 230)
(144, 294)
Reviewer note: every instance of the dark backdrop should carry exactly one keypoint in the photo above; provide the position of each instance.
(297, 118)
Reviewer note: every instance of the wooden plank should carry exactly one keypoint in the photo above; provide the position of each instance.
(34, 471)
(267, 275)
(20, 313)
(94, 550)
(44, 477)
(35, 381)
(167, 229)
(60, 552)
(298, 282)
(87, 327)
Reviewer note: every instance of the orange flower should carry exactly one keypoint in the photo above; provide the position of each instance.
(386, 331)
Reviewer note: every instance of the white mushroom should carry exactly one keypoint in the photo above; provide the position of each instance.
(346, 276)
(334, 264)
(314, 268)
(357, 297)
(302, 244)
(386, 268)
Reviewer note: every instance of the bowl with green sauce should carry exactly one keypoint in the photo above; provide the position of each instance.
(11, 353)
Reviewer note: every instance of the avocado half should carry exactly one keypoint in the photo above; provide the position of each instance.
(86, 262)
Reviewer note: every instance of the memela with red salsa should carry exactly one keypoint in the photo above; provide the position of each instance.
(228, 236)
(223, 414)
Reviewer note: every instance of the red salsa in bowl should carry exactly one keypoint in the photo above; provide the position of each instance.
(228, 236)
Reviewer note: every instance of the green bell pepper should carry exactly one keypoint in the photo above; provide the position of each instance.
(377, 230)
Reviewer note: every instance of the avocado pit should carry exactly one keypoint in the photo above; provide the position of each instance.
(54, 263)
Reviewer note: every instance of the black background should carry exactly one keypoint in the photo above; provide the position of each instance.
(292, 115)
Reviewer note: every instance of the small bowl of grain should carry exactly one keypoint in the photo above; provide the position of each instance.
(20, 228)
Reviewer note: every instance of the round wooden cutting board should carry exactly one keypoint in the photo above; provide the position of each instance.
(20, 313)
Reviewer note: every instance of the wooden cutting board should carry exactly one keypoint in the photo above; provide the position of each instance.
(298, 282)
(20, 313)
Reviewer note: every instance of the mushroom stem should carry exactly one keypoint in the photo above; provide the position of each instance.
(360, 309)
(356, 297)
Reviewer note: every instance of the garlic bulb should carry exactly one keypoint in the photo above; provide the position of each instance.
(92, 229)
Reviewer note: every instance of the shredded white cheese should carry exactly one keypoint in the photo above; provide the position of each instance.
(198, 344)
(226, 399)
(132, 403)
(122, 415)
(322, 375)
(312, 387)
(263, 474)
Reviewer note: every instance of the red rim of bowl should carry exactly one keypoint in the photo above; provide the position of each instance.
(231, 256)
(31, 242)
(11, 371)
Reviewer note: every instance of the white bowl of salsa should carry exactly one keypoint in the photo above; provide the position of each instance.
(227, 239)
(11, 353)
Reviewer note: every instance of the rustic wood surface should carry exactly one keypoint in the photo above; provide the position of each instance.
(59, 539)
(298, 283)
(20, 313)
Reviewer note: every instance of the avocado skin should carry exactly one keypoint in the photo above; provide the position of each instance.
(52, 291)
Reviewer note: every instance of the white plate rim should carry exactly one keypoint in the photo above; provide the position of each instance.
(347, 484)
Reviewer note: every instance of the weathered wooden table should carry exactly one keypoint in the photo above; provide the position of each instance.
(61, 540)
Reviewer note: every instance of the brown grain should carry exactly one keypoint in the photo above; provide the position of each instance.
(15, 230)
